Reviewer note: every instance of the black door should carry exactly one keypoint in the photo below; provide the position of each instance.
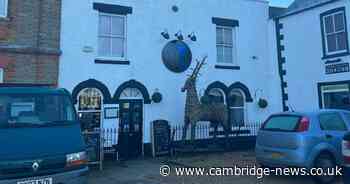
(130, 128)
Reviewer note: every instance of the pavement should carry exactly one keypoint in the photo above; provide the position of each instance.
(147, 171)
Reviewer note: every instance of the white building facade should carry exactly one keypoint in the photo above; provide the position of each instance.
(313, 54)
(125, 62)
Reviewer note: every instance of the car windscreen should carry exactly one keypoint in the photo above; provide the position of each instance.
(35, 110)
(282, 123)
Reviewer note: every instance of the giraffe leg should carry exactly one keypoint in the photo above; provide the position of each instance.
(227, 131)
(193, 131)
(184, 132)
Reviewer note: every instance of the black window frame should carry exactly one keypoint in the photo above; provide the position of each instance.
(319, 90)
(325, 52)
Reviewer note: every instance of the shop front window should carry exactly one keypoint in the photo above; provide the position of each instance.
(90, 108)
(336, 96)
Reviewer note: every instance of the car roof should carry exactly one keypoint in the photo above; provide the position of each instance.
(311, 113)
(33, 90)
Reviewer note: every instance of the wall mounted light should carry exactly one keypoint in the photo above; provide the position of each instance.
(179, 36)
(193, 37)
(165, 34)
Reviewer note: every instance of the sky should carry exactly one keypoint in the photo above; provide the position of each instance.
(283, 3)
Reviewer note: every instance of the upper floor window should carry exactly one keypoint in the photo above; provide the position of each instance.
(225, 45)
(3, 8)
(226, 40)
(334, 29)
(112, 35)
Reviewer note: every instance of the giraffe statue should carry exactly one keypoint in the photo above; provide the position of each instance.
(195, 111)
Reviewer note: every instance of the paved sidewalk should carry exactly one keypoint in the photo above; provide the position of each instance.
(146, 171)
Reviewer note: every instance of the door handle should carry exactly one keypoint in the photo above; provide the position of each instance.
(329, 136)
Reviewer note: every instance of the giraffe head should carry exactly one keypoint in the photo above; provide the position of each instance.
(191, 80)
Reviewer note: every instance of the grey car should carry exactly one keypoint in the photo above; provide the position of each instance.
(306, 140)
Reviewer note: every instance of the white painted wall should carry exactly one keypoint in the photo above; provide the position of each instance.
(144, 45)
(303, 52)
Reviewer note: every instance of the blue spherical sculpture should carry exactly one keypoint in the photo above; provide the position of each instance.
(177, 56)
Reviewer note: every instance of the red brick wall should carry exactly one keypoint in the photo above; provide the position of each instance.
(30, 41)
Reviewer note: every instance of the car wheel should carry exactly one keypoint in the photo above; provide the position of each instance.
(325, 162)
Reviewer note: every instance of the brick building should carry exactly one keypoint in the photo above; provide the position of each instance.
(29, 41)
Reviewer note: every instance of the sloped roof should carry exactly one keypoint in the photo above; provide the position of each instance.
(303, 5)
(276, 11)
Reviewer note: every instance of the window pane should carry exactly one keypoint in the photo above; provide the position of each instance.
(104, 46)
(339, 22)
(331, 43)
(118, 26)
(228, 55)
(219, 36)
(220, 54)
(341, 39)
(118, 47)
(236, 99)
(216, 96)
(336, 100)
(228, 36)
(332, 122)
(329, 25)
(282, 123)
(237, 116)
(105, 25)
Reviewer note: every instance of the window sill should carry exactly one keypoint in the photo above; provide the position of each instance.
(228, 67)
(112, 61)
(347, 53)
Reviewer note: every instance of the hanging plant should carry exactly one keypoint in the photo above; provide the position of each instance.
(157, 97)
(263, 103)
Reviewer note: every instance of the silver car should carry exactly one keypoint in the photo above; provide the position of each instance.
(306, 140)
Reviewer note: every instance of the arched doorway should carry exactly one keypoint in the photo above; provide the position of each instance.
(90, 108)
(130, 137)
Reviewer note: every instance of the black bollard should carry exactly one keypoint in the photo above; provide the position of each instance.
(346, 156)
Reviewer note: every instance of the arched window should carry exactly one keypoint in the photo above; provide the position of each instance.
(89, 99)
(217, 95)
(90, 108)
(131, 93)
(237, 107)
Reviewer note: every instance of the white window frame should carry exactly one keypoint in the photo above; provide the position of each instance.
(325, 34)
(5, 10)
(332, 91)
(244, 107)
(124, 58)
(233, 46)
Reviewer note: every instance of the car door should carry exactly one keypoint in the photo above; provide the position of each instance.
(333, 129)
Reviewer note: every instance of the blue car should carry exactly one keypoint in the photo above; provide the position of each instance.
(40, 137)
(303, 140)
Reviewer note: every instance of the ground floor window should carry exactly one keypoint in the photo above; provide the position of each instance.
(335, 96)
(217, 95)
(90, 108)
(237, 107)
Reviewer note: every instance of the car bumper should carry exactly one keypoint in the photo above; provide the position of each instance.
(71, 177)
(284, 158)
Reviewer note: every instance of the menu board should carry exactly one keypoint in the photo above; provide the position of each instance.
(160, 137)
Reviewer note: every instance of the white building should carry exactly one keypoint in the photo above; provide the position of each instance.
(313, 54)
(112, 59)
